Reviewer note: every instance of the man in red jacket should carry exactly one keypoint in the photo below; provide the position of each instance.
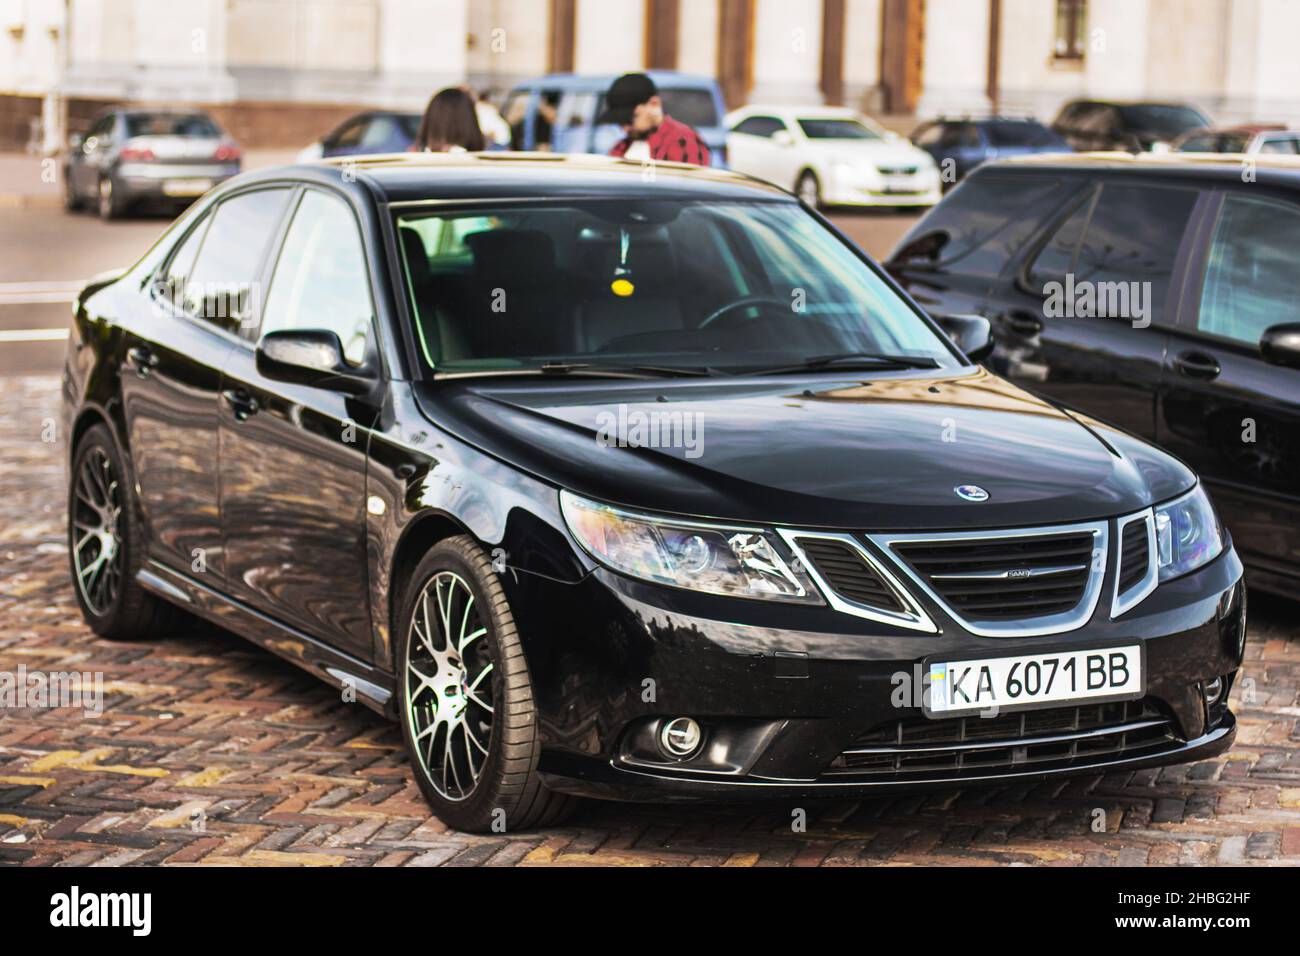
(633, 103)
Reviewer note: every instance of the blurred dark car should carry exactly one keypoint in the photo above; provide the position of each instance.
(1132, 127)
(969, 142)
(375, 131)
(134, 155)
(1205, 363)
(1249, 140)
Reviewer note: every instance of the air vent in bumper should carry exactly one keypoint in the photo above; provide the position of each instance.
(1136, 572)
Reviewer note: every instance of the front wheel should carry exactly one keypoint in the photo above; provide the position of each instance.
(809, 189)
(466, 698)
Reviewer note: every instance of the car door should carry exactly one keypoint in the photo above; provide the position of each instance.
(1085, 315)
(293, 457)
(1228, 412)
(174, 351)
(751, 149)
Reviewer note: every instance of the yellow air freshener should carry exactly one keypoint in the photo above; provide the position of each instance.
(621, 287)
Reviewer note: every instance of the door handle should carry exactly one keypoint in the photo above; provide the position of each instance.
(1198, 365)
(141, 359)
(241, 402)
(1025, 323)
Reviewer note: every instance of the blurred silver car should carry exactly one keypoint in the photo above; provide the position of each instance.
(135, 154)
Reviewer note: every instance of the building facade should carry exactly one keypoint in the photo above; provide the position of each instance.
(278, 71)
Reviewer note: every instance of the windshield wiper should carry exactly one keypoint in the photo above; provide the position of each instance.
(869, 360)
(623, 371)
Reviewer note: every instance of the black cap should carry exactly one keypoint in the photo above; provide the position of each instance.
(625, 94)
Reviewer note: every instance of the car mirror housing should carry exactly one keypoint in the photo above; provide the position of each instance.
(972, 333)
(1280, 344)
(783, 137)
(309, 357)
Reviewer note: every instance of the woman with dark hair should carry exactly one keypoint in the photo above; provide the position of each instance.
(450, 124)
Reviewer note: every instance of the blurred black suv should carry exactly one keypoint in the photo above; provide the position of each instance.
(1133, 127)
(1203, 360)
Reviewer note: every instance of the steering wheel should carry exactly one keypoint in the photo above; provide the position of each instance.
(716, 317)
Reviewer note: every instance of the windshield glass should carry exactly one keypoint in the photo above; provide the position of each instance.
(1165, 121)
(731, 286)
(836, 129)
(171, 124)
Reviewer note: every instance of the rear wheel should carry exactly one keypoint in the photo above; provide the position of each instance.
(106, 546)
(466, 699)
(71, 201)
(111, 206)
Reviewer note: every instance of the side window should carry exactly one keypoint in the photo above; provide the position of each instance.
(1056, 257)
(576, 109)
(222, 286)
(763, 126)
(1133, 237)
(351, 134)
(321, 280)
(1251, 281)
(928, 135)
(172, 286)
(982, 224)
(1286, 146)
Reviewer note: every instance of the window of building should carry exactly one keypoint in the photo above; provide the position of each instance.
(1071, 29)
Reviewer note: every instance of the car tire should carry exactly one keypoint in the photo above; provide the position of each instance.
(465, 697)
(110, 203)
(102, 520)
(809, 189)
(71, 201)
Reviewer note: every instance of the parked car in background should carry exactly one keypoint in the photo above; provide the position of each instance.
(132, 155)
(1131, 127)
(967, 143)
(375, 131)
(1207, 266)
(1248, 140)
(425, 500)
(831, 156)
(558, 112)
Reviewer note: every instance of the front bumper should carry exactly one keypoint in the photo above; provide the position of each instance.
(784, 692)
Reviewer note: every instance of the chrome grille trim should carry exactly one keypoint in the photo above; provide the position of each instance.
(1059, 623)
(913, 617)
(1135, 595)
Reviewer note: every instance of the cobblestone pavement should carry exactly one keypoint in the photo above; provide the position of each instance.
(210, 751)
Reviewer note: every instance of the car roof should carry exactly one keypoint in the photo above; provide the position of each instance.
(417, 177)
(1275, 168)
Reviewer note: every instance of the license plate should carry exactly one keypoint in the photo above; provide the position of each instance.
(186, 187)
(964, 687)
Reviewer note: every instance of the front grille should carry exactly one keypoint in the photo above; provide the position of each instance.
(1133, 555)
(1005, 578)
(1056, 737)
(897, 170)
(848, 574)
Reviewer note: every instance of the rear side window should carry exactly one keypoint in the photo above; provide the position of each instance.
(1251, 280)
(981, 225)
(223, 285)
(763, 126)
(1019, 134)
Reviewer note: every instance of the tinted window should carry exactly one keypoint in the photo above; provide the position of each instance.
(1056, 257)
(182, 263)
(1284, 146)
(223, 285)
(320, 280)
(958, 135)
(1251, 280)
(1019, 134)
(981, 224)
(759, 126)
(380, 131)
(836, 129)
(692, 107)
(928, 135)
(1163, 121)
(1133, 236)
(171, 124)
(350, 135)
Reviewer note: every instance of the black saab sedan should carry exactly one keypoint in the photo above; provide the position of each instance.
(633, 486)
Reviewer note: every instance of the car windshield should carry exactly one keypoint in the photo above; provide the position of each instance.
(1012, 133)
(171, 124)
(836, 129)
(1165, 121)
(703, 286)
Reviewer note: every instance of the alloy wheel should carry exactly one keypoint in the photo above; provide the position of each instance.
(809, 191)
(449, 694)
(97, 544)
(106, 197)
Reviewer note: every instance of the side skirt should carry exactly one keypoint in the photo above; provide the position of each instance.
(373, 687)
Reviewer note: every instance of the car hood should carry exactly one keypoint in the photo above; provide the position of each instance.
(817, 451)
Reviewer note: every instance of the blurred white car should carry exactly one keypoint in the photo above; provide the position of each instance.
(831, 156)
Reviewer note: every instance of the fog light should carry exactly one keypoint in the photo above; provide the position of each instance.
(680, 737)
(1213, 691)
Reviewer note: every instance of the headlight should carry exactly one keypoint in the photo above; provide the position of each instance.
(1187, 534)
(719, 559)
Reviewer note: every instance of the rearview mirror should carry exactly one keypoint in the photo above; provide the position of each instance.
(309, 357)
(972, 333)
(1280, 344)
(783, 137)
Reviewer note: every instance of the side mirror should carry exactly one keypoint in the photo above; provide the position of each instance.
(1280, 344)
(309, 357)
(972, 333)
(75, 141)
(783, 137)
